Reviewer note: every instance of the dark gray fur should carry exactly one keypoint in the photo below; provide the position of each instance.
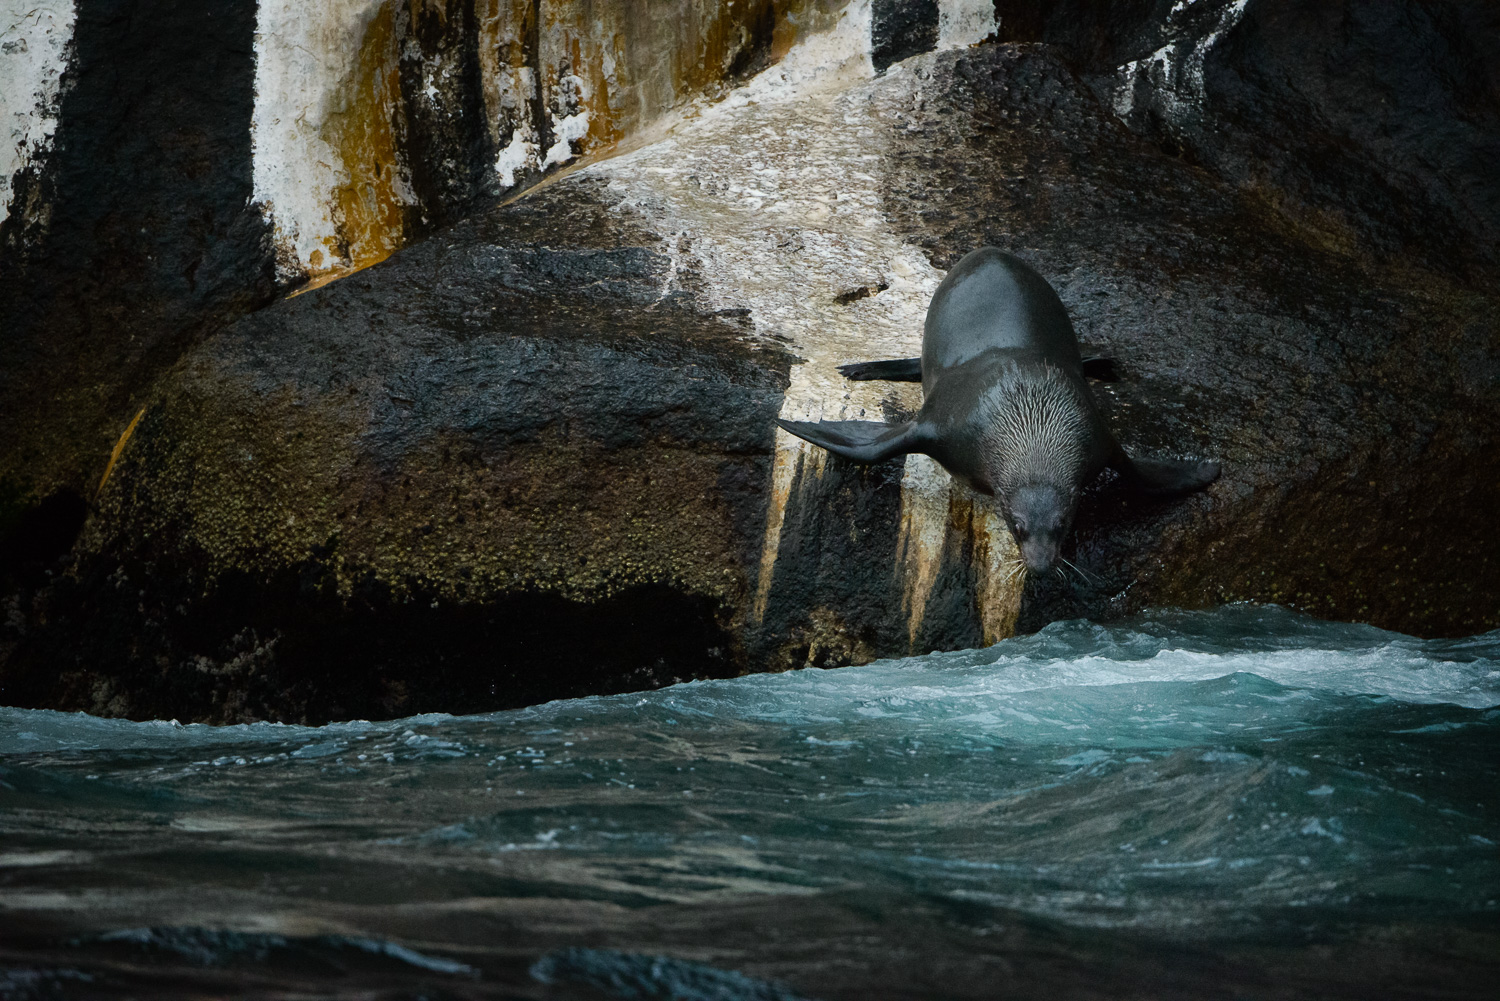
(1006, 407)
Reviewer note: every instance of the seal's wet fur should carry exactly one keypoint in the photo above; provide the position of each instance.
(1006, 407)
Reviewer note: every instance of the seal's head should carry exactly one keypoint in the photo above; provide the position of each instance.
(1039, 518)
(1038, 447)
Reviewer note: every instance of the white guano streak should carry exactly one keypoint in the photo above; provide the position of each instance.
(515, 88)
(305, 56)
(775, 191)
(34, 48)
(965, 22)
(1179, 79)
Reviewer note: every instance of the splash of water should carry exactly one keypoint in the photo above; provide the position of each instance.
(1188, 774)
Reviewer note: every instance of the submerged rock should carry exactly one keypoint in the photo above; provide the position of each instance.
(534, 456)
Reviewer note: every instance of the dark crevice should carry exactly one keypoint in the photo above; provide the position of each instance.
(39, 536)
(534, 59)
(447, 144)
(136, 642)
(900, 29)
(755, 54)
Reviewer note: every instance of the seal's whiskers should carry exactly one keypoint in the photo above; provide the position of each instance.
(1083, 575)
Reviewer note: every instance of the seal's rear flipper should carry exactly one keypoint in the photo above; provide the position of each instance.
(862, 441)
(1101, 368)
(1168, 477)
(895, 370)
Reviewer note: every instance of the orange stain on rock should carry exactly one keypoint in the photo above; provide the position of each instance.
(114, 455)
(370, 207)
(633, 60)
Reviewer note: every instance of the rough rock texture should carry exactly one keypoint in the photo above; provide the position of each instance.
(1349, 395)
(129, 237)
(178, 164)
(417, 109)
(533, 456)
(901, 29)
(1373, 125)
(1345, 296)
(391, 494)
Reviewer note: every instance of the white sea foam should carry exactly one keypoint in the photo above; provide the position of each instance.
(1269, 656)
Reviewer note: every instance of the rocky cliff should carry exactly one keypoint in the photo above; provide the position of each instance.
(531, 454)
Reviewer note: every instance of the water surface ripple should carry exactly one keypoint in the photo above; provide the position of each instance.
(1242, 775)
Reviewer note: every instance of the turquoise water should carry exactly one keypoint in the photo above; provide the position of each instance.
(1184, 779)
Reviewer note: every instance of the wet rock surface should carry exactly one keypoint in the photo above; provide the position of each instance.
(1346, 393)
(128, 238)
(534, 455)
(198, 162)
(1370, 125)
(504, 467)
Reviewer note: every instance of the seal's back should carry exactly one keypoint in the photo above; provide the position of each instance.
(992, 299)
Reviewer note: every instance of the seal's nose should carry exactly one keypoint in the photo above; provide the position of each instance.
(1038, 555)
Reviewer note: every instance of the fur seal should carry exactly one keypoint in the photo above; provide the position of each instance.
(1005, 406)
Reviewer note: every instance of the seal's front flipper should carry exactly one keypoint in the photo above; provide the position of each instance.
(895, 370)
(1167, 477)
(1101, 368)
(862, 441)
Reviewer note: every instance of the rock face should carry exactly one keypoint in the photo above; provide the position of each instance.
(533, 455)
(493, 470)
(168, 167)
(1371, 124)
(128, 233)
